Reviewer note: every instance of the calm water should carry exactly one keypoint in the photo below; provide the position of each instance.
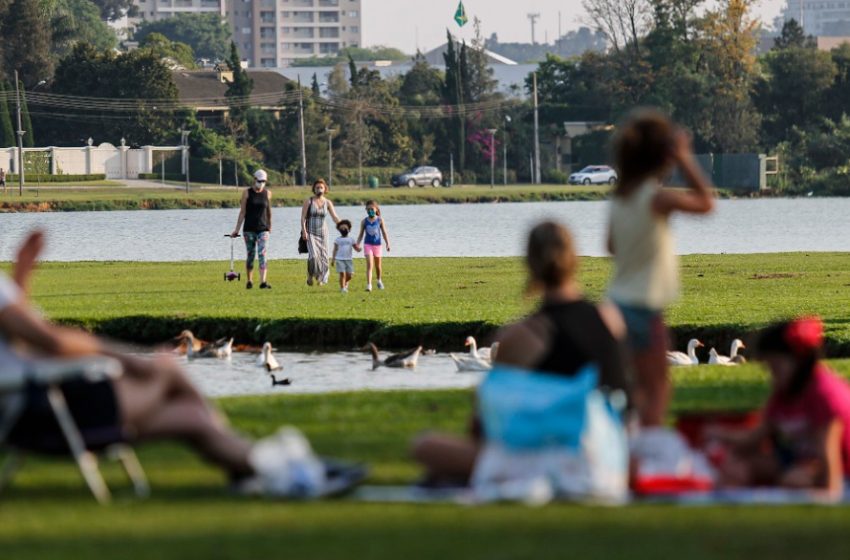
(322, 373)
(444, 230)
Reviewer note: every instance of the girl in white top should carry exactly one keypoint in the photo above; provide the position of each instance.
(646, 278)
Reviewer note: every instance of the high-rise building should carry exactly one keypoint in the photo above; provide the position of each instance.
(818, 18)
(271, 33)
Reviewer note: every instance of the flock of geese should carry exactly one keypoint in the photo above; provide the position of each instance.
(690, 358)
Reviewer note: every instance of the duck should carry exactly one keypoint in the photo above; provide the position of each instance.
(267, 360)
(403, 360)
(186, 339)
(280, 382)
(733, 359)
(682, 359)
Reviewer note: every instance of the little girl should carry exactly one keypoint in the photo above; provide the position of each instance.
(806, 421)
(646, 276)
(375, 230)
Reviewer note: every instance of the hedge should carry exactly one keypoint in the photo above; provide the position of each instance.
(40, 178)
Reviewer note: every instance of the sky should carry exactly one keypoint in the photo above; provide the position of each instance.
(408, 24)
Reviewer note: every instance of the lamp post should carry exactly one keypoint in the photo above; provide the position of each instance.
(185, 143)
(492, 132)
(20, 134)
(505, 150)
(331, 132)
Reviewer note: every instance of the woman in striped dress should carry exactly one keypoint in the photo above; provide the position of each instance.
(315, 232)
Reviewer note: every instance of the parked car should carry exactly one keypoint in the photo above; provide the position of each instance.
(594, 175)
(421, 176)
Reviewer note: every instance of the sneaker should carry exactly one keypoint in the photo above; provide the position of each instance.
(265, 286)
(343, 290)
(309, 280)
(368, 287)
(249, 285)
(380, 285)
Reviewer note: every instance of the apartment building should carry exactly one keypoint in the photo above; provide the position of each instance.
(274, 33)
(819, 18)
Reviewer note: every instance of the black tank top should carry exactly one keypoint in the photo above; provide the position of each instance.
(579, 337)
(257, 211)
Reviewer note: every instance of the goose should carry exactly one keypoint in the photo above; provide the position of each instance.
(221, 349)
(280, 382)
(403, 360)
(732, 359)
(186, 339)
(267, 360)
(682, 359)
(474, 351)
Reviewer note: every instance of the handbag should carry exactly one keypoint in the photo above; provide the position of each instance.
(302, 245)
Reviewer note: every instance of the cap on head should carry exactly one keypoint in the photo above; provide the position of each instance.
(261, 175)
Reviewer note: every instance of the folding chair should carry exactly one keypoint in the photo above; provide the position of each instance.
(50, 375)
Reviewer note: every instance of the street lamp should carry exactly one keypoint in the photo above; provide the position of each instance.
(492, 132)
(331, 132)
(505, 150)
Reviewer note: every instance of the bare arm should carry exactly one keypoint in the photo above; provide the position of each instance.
(304, 208)
(241, 219)
(269, 210)
(27, 259)
(739, 439)
(523, 344)
(19, 322)
(386, 236)
(610, 240)
(824, 470)
(336, 248)
(362, 232)
(332, 211)
(699, 198)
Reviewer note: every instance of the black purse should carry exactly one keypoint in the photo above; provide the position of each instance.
(302, 245)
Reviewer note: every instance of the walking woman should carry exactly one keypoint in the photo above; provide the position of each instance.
(315, 232)
(256, 214)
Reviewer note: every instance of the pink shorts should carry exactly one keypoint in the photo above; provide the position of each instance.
(374, 250)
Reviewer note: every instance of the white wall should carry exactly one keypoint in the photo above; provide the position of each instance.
(116, 162)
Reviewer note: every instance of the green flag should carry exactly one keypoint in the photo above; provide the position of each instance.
(460, 15)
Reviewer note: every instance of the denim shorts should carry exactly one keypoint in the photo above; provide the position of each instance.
(346, 266)
(643, 325)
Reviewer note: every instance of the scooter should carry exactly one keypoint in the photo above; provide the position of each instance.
(232, 275)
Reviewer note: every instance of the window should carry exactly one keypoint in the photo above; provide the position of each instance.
(353, 13)
(355, 29)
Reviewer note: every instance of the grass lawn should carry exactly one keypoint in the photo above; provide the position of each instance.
(427, 300)
(48, 513)
(113, 196)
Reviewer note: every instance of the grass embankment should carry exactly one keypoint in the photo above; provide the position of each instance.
(48, 513)
(66, 199)
(434, 301)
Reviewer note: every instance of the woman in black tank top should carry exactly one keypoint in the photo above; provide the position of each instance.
(563, 336)
(256, 214)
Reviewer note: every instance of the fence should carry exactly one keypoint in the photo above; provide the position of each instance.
(739, 172)
(114, 162)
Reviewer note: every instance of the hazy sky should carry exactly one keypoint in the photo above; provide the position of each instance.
(397, 23)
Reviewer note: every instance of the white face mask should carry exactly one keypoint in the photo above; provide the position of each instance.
(258, 186)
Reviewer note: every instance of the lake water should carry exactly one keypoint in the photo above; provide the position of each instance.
(436, 230)
(322, 373)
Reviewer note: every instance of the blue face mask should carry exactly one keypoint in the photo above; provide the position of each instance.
(371, 213)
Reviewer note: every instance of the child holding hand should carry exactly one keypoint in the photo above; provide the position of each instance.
(343, 256)
(374, 230)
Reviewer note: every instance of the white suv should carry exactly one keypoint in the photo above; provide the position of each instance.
(594, 175)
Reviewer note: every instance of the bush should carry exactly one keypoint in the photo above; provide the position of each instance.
(556, 177)
(41, 178)
(350, 176)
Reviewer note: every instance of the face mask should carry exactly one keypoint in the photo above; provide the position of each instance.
(371, 213)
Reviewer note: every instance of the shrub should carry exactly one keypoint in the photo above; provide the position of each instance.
(42, 178)
(556, 177)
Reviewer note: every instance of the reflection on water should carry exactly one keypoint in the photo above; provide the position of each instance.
(322, 373)
(437, 230)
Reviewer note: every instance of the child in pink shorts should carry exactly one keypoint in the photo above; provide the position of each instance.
(803, 440)
(374, 230)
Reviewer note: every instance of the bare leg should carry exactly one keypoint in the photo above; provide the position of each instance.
(342, 282)
(157, 401)
(446, 458)
(378, 268)
(654, 389)
(264, 272)
(369, 264)
(348, 277)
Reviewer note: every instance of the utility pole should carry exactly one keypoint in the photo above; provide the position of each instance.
(301, 126)
(492, 132)
(20, 139)
(185, 143)
(451, 169)
(505, 150)
(533, 18)
(536, 134)
(359, 148)
(330, 132)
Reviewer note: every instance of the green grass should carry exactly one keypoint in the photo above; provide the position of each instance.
(111, 197)
(437, 301)
(48, 513)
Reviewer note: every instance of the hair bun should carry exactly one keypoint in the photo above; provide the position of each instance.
(805, 335)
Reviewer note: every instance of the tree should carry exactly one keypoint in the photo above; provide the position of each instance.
(207, 34)
(27, 42)
(793, 36)
(239, 88)
(314, 86)
(111, 10)
(7, 131)
(623, 22)
(171, 52)
(75, 21)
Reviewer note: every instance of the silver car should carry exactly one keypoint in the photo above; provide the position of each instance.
(421, 176)
(594, 175)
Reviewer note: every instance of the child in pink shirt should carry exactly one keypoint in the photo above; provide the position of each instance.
(806, 421)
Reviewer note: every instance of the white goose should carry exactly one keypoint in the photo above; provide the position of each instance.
(475, 360)
(682, 359)
(221, 349)
(475, 352)
(266, 359)
(733, 359)
(407, 359)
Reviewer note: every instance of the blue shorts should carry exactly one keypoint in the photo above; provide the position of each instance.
(346, 266)
(643, 325)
